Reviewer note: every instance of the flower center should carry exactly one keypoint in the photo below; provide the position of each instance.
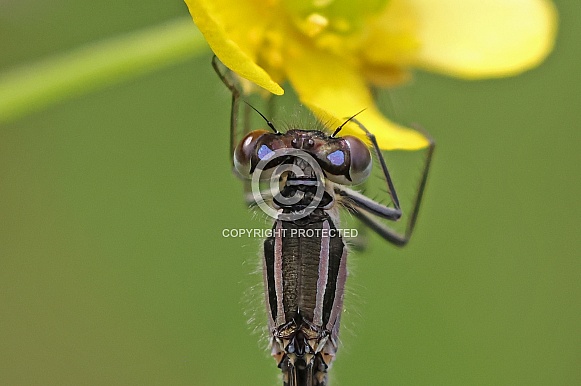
(340, 17)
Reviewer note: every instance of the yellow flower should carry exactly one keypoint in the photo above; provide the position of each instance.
(332, 51)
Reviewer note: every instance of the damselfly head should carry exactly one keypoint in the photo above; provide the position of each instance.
(344, 160)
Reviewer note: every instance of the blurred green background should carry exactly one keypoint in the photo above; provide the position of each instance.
(114, 271)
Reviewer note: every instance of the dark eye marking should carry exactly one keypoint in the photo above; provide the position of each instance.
(337, 157)
(265, 152)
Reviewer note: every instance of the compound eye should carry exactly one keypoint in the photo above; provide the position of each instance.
(361, 164)
(336, 165)
(336, 158)
(264, 152)
(246, 149)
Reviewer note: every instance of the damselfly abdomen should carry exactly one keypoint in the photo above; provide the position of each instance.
(307, 174)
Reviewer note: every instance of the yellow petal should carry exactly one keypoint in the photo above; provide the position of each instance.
(476, 38)
(235, 49)
(392, 36)
(332, 89)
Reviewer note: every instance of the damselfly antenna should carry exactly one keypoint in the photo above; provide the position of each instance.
(344, 123)
(269, 123)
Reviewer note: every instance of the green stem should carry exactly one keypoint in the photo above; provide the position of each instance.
(29, 88)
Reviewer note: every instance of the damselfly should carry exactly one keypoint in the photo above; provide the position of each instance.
(304, 262)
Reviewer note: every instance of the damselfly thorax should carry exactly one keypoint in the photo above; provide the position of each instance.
(300, 178)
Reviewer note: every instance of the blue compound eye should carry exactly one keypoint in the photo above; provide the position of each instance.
(337, 158)
(349, 163)
(264, 152)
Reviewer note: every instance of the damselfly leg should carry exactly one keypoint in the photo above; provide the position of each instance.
(368, 210)
(238, 112)
(230, 82)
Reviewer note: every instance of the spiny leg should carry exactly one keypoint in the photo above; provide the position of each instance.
(366, 209)
(222, 74)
